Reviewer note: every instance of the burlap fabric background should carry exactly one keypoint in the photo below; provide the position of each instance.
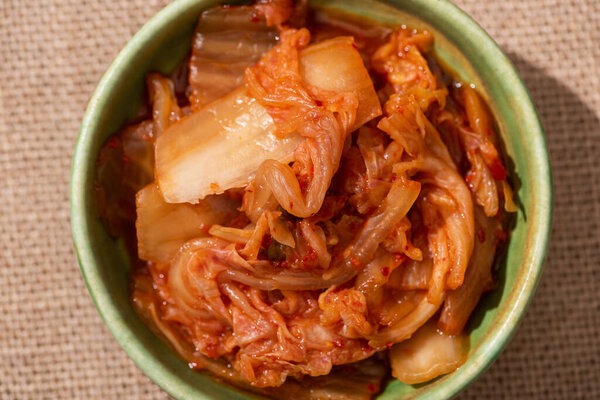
(53, 344)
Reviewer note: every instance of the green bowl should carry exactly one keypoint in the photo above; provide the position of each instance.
(460, 44)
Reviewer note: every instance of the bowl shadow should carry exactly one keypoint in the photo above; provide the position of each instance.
(572, 127)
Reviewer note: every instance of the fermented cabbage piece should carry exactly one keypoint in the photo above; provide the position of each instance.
(461, 302)
(162, 227)
(359, 382)
(336, 65)
(427, 354)
(226, 42)
(222, 145)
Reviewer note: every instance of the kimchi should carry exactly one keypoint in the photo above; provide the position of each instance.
(312, 202)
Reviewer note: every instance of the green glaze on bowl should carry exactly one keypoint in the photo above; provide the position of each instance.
(461, 45)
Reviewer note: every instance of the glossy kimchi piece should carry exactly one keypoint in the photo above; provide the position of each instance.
(162, 227)
(358, 381)
(461, 302)
(222, 145)
(336, 65)
(226, 42)
(428, 354)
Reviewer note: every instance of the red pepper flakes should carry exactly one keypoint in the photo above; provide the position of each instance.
(481, 235)
(501, 235)
(399, 258)
(389, 345)
(291, 205)
(340, 343)
(211, 351)
(113, 142)
(354, 261)
(385, 271)
(125, 159)
(304, 181)
(266, 241)
(371, 388)
(310, 256)
(488, 132)
(255, 18)
(147, 137)
(469, 177)
(497, 170)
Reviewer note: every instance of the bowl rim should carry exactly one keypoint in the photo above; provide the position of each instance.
(499, 334)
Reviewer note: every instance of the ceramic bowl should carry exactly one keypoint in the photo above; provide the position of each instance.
(460, 44)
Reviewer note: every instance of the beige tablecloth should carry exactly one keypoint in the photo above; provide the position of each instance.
(53, 344)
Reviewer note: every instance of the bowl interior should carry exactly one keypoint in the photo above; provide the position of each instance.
(461, 45)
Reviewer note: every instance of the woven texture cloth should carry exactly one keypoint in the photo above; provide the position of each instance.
(53, 344)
